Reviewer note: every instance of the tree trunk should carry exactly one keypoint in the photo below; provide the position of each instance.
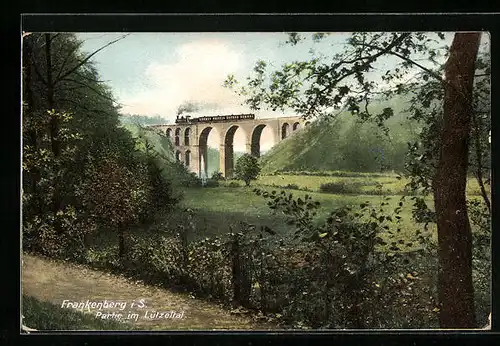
(54, 122)
(241, 284)
(28, 115)
(121, 243)
(456, 294)
(54, 133)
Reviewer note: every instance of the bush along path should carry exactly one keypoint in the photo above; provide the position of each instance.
(113, 298)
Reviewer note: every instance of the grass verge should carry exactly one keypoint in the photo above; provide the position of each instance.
(46, 316)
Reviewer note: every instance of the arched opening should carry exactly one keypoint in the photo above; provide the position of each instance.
(178, 156)
(296, 126)
(209, 158)
(169, 133)
(188, 158)
(307, 123)
(255, 144)
(284, 130)
(229, 151)
(187, 132)
(177, 136)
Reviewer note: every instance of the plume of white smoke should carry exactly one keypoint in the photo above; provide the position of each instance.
(196, 106)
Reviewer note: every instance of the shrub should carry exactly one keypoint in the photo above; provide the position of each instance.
(233, 184)
(341, 280)
(340, 187)
(209, 270)
(211, 183)
(328, 275)
(290, 187)
(481, 257)
(247, 168)
(156, 259)
(218, 176)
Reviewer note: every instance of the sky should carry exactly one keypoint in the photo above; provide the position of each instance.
(153, 74)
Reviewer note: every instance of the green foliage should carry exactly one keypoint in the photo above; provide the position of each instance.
(325, 83)
(334, 174)
(291, 187)
(81, 171)
(347, 273)
(247, 168)
(481, 256)
(233, 184)
(397, 289)
(160, 148)
(112, 193)
(315, 86)
(341, 187)
(212, 183)
(217, 176)
(156, 259)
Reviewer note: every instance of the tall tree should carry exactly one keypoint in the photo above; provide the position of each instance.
(456, 294)
(324, 85)
(69, 118)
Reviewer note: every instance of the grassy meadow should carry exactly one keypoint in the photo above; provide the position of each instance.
(219, 210)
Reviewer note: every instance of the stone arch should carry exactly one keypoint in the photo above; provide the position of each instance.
(229, 151)
(296, 126)
(203, 147)
(307, 123)
(284, 130)
(168, 132)
(255, 140)
(187, 158)
(177, 136)
(187, 133)
(178, 156)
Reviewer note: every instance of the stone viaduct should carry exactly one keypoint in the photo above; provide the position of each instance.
(189, 137)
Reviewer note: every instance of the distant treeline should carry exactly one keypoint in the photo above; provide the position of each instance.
(143, 119)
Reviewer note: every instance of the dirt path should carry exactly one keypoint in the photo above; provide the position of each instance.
(55, 282)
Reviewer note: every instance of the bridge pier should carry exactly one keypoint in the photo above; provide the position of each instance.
(222, 159)
(248, 148)
(195, 164)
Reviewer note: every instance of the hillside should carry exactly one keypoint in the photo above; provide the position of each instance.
(173, 171)
(343, 143)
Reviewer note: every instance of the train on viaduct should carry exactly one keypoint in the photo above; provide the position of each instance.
(189, 137)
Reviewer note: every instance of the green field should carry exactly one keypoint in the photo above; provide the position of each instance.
(360, 183)
(217, 209)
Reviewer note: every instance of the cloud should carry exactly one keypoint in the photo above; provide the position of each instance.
(195, 75)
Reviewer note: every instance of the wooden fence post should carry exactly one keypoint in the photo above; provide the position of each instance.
(241, 284)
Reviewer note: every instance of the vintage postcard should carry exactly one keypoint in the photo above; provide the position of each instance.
(255, 181)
